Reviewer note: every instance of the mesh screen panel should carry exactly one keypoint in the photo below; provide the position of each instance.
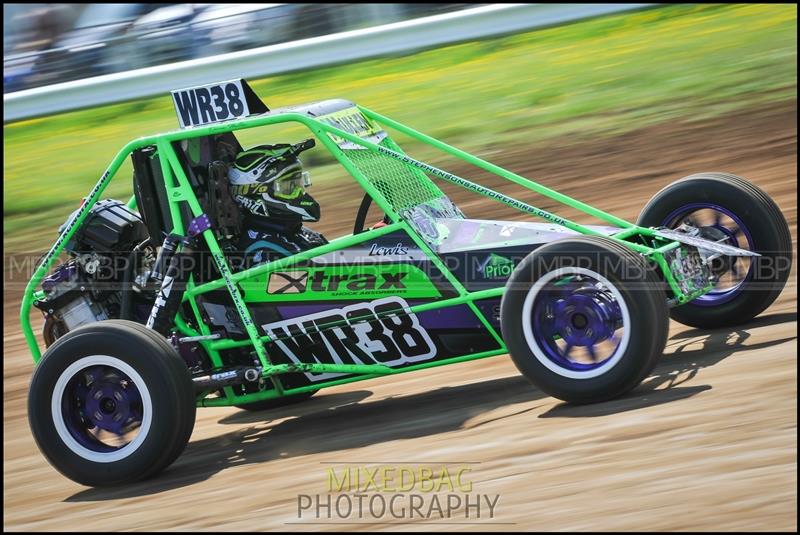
(403, 186)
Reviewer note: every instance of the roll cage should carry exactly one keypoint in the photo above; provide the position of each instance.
(396, 182)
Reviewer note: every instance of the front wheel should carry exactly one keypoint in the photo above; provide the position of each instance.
(584, 319)
(111, 403)
(728, 209)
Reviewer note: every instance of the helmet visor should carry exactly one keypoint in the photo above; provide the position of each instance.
(292, 186)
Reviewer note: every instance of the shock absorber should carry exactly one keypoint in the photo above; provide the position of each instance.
(168, 250)
(171, 270)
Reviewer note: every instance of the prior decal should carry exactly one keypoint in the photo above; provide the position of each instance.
(496, 266)
(376, 332)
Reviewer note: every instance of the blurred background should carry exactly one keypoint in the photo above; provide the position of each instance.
(49, 43)
(565, 76)
(568, 77)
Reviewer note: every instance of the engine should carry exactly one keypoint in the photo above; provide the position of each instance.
(107, 255)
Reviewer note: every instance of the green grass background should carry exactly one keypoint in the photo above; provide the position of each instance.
(596, 77)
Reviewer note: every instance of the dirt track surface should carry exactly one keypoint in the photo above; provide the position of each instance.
(708, 442)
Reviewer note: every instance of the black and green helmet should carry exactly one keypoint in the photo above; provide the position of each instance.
(268, 181)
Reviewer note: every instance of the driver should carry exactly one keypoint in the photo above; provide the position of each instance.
(269, 185)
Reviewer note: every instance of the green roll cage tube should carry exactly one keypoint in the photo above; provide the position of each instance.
(179, 190)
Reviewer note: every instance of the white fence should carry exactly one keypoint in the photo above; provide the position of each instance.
(469, 24)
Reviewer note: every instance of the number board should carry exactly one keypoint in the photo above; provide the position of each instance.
(217, 102)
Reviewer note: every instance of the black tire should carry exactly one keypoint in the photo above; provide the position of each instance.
(275, 403)
(52, 330)
(180, 366)
(163, 383)
(766, 225)
(637, 286)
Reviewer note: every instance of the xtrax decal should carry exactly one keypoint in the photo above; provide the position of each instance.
(341, 282)
(377, 332)
(335, 282)
(392, 264)
(287, 282)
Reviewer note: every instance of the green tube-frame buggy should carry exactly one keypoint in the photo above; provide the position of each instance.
(582, 310)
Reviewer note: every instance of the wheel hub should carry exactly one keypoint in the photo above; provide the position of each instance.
(107, 405)
(586, 317)
(579, 321)
(725, 228)
(110, 406)
(720, 233)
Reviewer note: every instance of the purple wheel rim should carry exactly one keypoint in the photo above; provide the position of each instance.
(731, 231)
(101, 408)
(577, 323)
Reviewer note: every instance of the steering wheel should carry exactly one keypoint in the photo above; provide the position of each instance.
(361, 215)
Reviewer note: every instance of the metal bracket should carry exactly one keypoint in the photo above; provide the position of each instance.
(199, 225)
(701, 243)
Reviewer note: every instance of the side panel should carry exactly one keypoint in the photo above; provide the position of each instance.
(481, 269)
(366, 290)
(396, 339)
(389, 265)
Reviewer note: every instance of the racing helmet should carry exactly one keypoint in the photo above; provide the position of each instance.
(268, 181)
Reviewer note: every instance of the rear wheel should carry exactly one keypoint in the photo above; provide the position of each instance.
(111, 403)
(585, 319)
(728, 209)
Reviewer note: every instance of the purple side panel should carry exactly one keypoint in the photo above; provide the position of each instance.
(490, 308)
(456, 317)
(295, 311)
